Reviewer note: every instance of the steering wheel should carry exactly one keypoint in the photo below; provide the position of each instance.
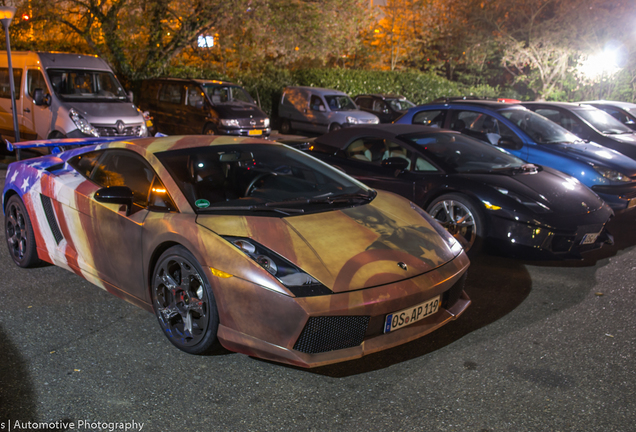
(250, 187)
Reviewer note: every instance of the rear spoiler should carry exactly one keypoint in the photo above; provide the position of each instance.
(58, 145)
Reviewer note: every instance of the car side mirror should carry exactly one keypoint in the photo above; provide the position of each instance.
(509, 144)
(116, 195)
(41, 99)
(396, 163)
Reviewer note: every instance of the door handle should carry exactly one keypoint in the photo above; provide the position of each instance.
(27, 110)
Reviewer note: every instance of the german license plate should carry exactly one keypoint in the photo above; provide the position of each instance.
(589, 238)
(255, 132)
(410, 315)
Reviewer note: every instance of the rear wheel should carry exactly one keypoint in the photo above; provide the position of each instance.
(184, 303)
(285, 127)
(19, 234)
(461, 218)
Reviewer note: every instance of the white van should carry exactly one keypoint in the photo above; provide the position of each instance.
(65, 96)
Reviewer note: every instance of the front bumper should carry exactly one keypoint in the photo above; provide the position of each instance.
(618, 197)
(269, 325)
(558, 241)
(252, 132)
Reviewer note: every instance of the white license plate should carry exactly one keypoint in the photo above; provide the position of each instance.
(408, 316)
(255, 132)
(589, 238)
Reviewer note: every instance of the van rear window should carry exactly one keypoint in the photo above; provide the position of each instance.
(5, 89)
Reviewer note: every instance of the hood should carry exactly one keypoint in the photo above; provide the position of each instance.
(629, 138)
(359, 114)
(108, 112)
(238, 109)
(347, 249)
(590, 152)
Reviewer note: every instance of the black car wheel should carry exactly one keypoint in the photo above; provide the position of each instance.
(210, 130)
(334, 127)
(19, 234)
(285, 127)
(461, 218)
(183, 302)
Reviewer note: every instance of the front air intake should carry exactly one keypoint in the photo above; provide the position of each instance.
(330, 333)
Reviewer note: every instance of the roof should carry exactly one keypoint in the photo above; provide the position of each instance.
(618, 104)
(491, 104)
(382, 96)
(563, 105)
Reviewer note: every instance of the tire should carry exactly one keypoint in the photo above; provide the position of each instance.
(450, 209)
(209, 130)
(334, 127)
(285, 127)
(180, 294)
(19, 233)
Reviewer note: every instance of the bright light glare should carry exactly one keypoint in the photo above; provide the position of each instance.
(601, 65)
(205, 41)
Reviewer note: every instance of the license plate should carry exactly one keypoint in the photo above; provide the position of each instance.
(255, 132)
(589, 238)
(410, 315)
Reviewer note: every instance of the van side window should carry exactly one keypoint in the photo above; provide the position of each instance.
(5, 89)
(170, 93)
(35, 80)
(194, 97)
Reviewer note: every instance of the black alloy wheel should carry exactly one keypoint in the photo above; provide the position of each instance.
(19, 234)
(184, 303)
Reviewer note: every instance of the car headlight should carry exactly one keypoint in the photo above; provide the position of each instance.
(533, 205)
(230, 122)
(611, 174)
(266, 122)
(352, 120)
(143, 130)
(82, 124)
(375, 121)
(297, 281)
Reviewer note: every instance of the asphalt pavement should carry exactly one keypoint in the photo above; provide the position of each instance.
(545, 346)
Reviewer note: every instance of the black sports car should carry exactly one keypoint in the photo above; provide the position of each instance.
(477, 191)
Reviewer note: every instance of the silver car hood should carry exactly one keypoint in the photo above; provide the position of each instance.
(108, 112)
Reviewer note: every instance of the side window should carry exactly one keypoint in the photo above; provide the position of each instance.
(170, 92)
(422, 165)
(394, 150)
(433, 118)
(364, 102)
(482, 126)
(125, 168)
(508, 133)
(35, 80)
(159, 200)
(85, 163)
(562, 119)
(194, 96)
(379, 106)
(5, 88)
(360, 150)
(316, 103)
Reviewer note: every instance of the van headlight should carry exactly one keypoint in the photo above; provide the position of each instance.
(143, 130)
(266, 122)
(230, 122)
(82, 124)
(297, 281)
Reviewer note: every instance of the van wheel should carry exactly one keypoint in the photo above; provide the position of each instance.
(209, 130)
(285, 127)
(334, 127)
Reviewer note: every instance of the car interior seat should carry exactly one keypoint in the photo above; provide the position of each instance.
(358, 150)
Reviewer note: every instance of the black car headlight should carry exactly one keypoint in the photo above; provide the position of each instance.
(293, 278)
(533, 205)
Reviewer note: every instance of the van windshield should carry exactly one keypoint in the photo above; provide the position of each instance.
(85, 85)
(227, 93)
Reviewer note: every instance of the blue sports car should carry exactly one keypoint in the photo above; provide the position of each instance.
(535, 139)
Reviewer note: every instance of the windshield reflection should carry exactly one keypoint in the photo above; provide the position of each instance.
(85, 85)
(539, 128)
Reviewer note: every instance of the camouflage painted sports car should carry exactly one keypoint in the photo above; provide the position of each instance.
(240, 241)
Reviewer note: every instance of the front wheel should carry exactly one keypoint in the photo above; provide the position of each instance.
(334, 127)
(457, 214)
(19, 233)
(184, 303)
(285, 127)
(209, 130)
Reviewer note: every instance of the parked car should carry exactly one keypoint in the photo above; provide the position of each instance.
(208, 107)
(475, 190)
(624, 112)
(589, 123)
(313, 109)
(535, 139)
(247, 242)
(65, 95)
(387, 107)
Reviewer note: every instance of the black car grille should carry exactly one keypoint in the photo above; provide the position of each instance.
(562, 243)
(50, 218)
(329, 333)
(247, 123)
(107, 131)
(454, 293)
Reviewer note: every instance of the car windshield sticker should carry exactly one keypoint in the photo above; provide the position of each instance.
(202, 203)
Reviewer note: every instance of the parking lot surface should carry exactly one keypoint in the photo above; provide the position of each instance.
(545, 346)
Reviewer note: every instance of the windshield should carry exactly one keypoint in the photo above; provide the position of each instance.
(340, 103)
(400, 104)
(461, 153)
(539, 128)
(227, 93)
(85, 85)
(261, 178)
(603, 122)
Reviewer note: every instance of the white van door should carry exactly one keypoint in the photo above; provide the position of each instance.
(37, 120)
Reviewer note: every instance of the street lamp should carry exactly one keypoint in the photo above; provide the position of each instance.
(6, 15)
